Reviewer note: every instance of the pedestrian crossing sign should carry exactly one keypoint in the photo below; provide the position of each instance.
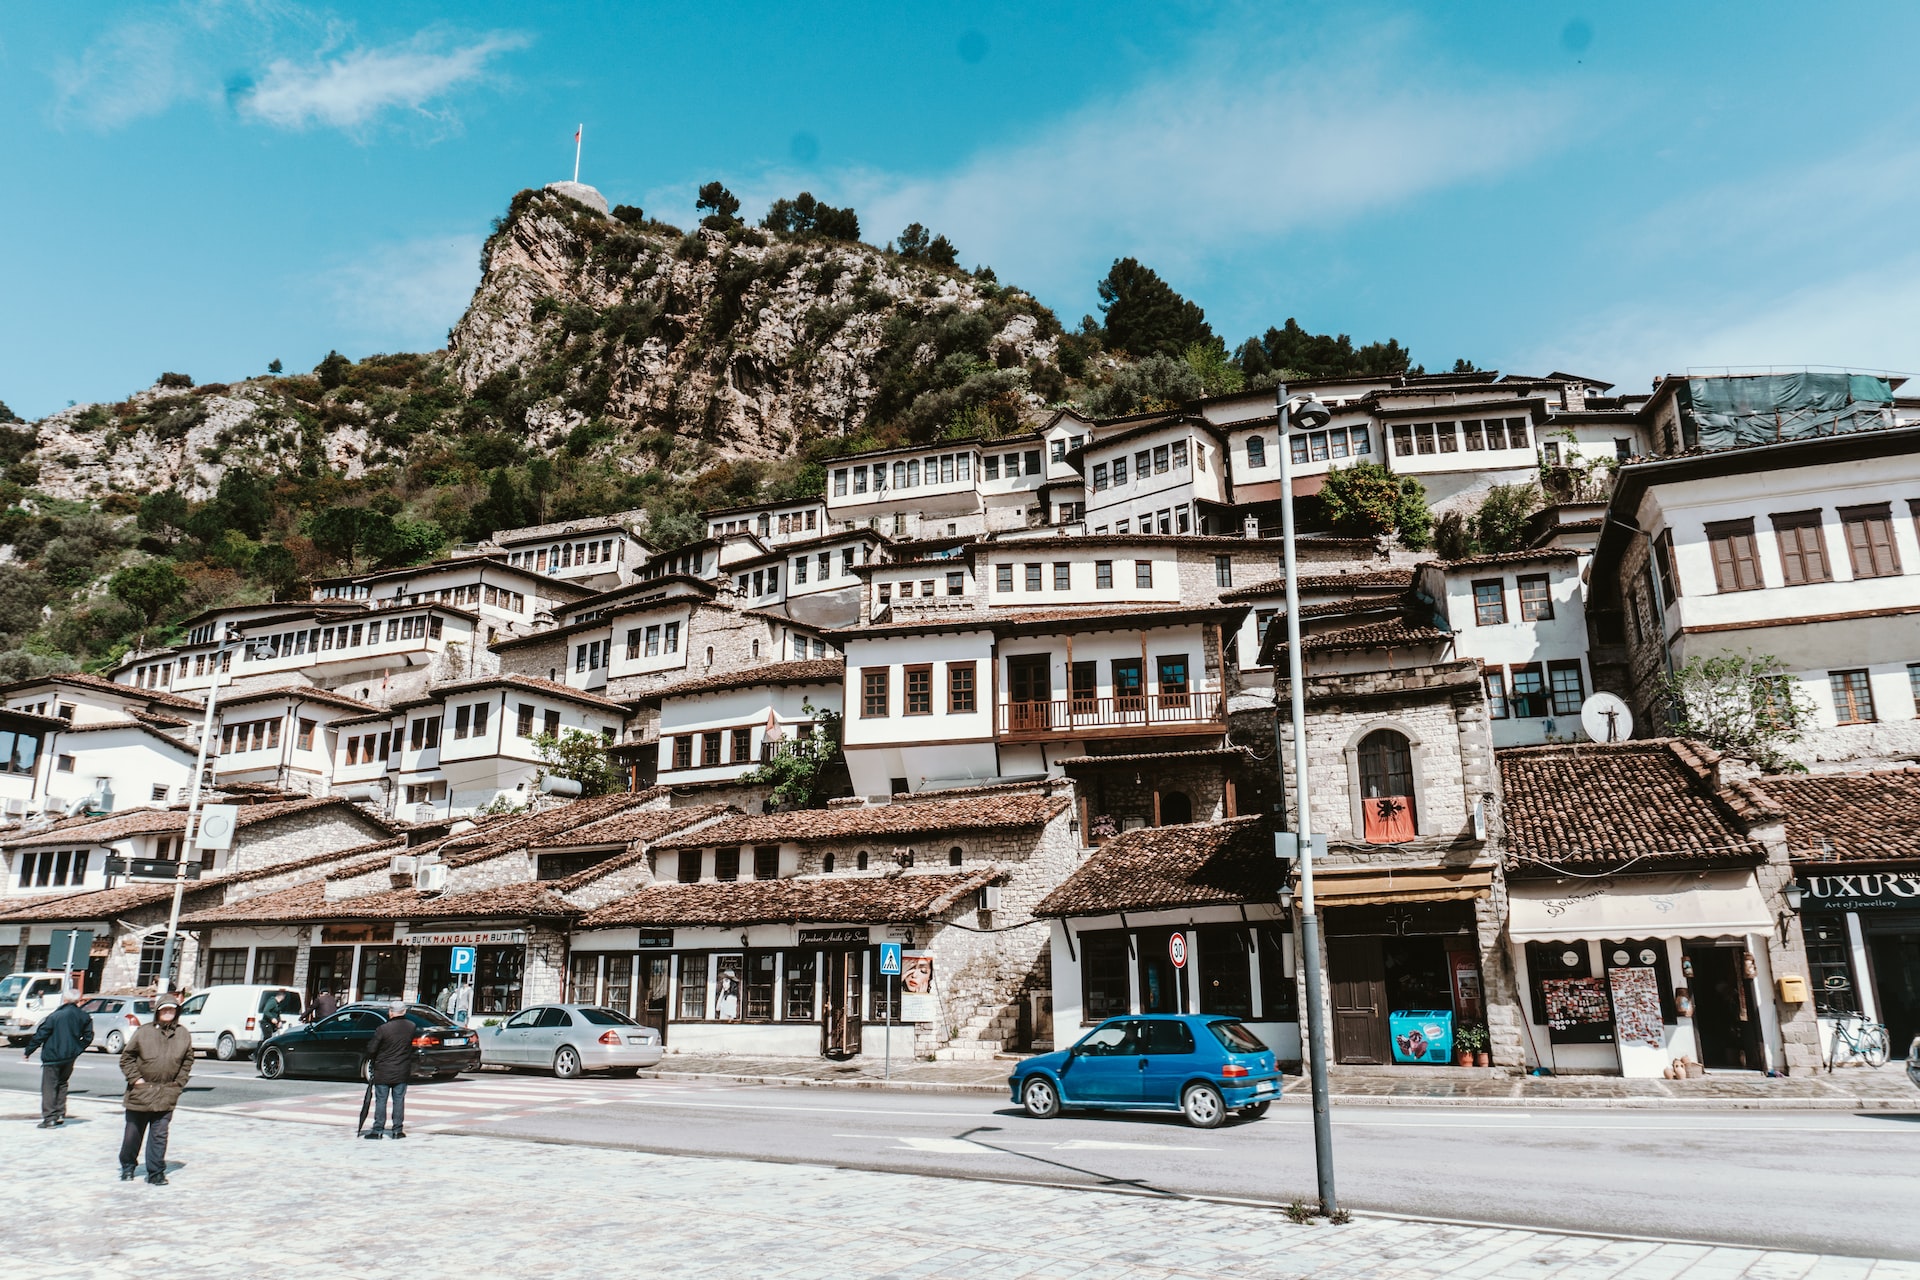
(889, 959)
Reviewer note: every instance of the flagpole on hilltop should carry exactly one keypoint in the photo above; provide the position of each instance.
(576, 151)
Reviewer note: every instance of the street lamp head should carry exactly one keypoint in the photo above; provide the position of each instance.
(1310, 413)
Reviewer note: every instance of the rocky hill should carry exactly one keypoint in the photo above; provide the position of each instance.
(621, 339)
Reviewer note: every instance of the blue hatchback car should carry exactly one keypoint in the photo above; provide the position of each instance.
(1203, 1066)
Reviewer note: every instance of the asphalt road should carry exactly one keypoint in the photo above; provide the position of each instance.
(1825, 1181)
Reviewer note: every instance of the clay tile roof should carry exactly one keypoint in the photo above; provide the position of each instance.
(534, 684)
(139, 822)
(1155, 868)
(309, 902)
(491, 840)
(95, 904)
(1649, 805)
(1532, 555)
(159, 719)
(1395, 633)
(834, 899)
(632, 825)
(306, 692)
(1850, 817)
(81, 681)
(875, 821)
(815, 671)
(1210, 756)
(1371, 579)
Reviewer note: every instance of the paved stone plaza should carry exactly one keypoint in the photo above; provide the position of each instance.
(256, 1198)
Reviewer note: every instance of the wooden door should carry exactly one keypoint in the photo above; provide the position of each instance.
(841, 994)
(650, 1000)
(1029, 691)
(1358, 977)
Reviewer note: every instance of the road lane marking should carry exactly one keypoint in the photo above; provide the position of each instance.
(1095, 1144)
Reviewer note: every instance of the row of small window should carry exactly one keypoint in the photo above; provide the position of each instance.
(727, 986)
(473, 593)
(157, 675)
(1172, 520)
(564, 555)
(1853, 694)
(726, 864)
(272, 966)
(1064, 445)
(653, 641)
(688, 562)
(46, 867)
(761, 582)
(1316, 446)
(261, 735)
(956, 586)
(1036, 575)
(1525, 693)
(825, 562)
(321, 639)
(876, 690)
(1550, 451)
(791, 522)
(1490, 600)
(1480, 434)
(1147, 462)
(1801, 539)
(739, 744)
(1114, 963)
(19, 751)
(339, 591)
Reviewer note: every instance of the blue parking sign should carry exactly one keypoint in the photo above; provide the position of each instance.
(462, 960)
(889, 958)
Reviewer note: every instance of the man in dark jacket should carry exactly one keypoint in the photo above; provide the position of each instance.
(156, 1062)
(324, 1005)
(61, 1037)
(389, 1066)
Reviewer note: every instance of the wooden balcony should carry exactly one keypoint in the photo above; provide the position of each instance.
(1140, 715)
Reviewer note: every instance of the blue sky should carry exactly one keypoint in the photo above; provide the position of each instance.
(1617, 190)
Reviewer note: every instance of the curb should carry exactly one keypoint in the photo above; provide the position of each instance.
(1298, 1096)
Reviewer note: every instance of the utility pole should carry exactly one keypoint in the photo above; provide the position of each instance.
(1312, 414)
(191, 841)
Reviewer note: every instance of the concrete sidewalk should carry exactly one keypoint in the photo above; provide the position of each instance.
(1848, 1089)
(251, 1198)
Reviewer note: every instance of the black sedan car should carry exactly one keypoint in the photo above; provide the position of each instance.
(337, 1046)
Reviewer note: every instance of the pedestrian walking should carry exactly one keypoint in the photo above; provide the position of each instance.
(324, 1005)
(156, 1062)
(61, 1037)
(389, 1065)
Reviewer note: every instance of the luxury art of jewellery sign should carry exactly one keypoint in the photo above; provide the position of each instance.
(1862, 891)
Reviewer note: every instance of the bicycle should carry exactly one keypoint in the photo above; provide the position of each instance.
(1864, 1040)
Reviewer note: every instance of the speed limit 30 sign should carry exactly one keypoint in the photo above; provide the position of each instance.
(1177, 950)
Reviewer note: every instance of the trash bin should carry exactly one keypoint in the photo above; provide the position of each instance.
(1422, 1035)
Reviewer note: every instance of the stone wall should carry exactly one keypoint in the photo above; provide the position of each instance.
(302, 835)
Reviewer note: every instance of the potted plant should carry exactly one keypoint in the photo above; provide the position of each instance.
(1472, 1042)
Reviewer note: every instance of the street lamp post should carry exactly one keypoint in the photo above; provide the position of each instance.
(191, 841)
(1313, 413)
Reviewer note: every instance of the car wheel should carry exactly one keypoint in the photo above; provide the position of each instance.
(273, 1064)
(1255, 1111)
(115, 1042)
(1041, 1099)
(16, 1041)
(1203, 1106)
(566, 1063)
(226, 1048)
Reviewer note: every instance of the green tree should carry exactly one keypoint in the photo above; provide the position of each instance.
(722, 206)
(502, 508)
(337, 531)
(397, 540)
(798, 774)
(163, 516)
(1366, 500)
(631, 214)
(176, 381)
(1500, 523)
(332, 371)
(8, 415)
(805, 216)
(1218, 375)
(274, 365)
(244, 501)
(1291, 352)
(151, 586)
(581, 757)
(1144, 316)
(1157, 382)
(1745, 705)
(275, 566)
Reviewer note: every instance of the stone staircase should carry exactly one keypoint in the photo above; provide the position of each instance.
(984, 1036)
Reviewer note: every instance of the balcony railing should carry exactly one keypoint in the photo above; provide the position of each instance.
(1164, 712)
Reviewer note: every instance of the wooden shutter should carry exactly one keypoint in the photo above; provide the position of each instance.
(1803, 556)
(1870, 540)
(1735, 566)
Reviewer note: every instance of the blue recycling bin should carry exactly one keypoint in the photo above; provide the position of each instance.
(1422, 1035)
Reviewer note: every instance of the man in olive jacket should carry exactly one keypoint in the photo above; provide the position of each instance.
(156, 1062)
(62, 1036)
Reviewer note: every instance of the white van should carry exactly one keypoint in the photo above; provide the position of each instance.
(228, 1020)
(25, 998)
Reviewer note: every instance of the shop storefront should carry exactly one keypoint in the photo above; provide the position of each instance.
(1863, 947)
(492, 988)
(1403, 959)
(1625, 974)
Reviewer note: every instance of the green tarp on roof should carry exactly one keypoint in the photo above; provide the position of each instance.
(1722, 413)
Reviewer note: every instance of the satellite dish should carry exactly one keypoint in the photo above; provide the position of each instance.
(1606, 718)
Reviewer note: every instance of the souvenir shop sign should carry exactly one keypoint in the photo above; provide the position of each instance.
(1862, 891)
(1636, 1007)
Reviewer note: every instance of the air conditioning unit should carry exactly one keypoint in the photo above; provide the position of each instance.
(431, 877)
(16, 808)
(405, 865)
(990, 897)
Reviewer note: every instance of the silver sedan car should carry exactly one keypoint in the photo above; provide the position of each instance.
(116, 1018)
(570, 1040)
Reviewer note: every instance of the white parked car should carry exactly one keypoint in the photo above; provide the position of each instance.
(570, 1040)
(231, 1021)
(25, 998)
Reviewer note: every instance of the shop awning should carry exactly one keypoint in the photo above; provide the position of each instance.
(1375, 884)
(1713, 905)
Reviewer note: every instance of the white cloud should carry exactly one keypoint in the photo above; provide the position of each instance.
(1237, 145)
(405, 296)
(349, 90)
(137, 69)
